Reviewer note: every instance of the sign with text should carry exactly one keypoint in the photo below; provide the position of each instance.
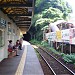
(72, 36)
(58, 36)
(2, 22)
(47, 35)
(66, 35)
(53, 36)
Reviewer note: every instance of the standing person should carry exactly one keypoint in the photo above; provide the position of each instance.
(20, 43)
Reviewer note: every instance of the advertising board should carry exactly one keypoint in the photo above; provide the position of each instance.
(52, 36)
(59, 36)
(66, 35)
(72, 36)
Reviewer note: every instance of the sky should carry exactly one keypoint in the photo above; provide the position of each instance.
(72, 4)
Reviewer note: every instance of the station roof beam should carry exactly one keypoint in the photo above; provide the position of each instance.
(20, 11)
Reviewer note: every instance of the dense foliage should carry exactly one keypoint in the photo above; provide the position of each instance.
(68, 58)
(47, 11)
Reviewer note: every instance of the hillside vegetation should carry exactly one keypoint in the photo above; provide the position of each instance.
(45, 12)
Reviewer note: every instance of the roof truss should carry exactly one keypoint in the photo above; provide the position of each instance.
(20, 11)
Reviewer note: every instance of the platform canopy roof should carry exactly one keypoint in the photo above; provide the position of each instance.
(20, 11)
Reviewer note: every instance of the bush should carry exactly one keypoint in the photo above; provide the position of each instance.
(44, 43)
(69, 58)
(35, 42)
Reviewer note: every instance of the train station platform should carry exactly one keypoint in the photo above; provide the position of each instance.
(26, 63)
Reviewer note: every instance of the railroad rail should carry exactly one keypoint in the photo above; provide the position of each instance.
(53, 73)
(54, 64)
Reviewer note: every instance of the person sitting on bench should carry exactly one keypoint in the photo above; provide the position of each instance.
(16, 47)
(10, 47)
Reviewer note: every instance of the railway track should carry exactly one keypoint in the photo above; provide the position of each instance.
(56, 67)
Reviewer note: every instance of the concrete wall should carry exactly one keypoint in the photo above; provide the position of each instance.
(13, 35)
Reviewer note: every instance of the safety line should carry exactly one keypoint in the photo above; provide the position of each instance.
(20, 68)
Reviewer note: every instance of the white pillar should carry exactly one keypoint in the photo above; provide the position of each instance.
(6, 42)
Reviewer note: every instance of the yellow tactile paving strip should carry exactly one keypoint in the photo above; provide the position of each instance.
(20, 68)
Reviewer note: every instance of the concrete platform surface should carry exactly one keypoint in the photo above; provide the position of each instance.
(26, 63)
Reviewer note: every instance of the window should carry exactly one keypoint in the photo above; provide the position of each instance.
(1, 38)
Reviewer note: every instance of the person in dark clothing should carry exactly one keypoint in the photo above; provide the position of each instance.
(20, 46)
(20, 43)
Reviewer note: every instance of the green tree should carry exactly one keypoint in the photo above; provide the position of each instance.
(48, 11)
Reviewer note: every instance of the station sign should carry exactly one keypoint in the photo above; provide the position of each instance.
(2, 22)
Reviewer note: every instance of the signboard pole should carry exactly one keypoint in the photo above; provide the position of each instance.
(51, 43)
(44, 34)
(62, 48)
(70, 48)
(56, 45)
(71, 37)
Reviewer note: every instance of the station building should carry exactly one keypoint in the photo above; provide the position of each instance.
(8, 31)
(15, 20)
